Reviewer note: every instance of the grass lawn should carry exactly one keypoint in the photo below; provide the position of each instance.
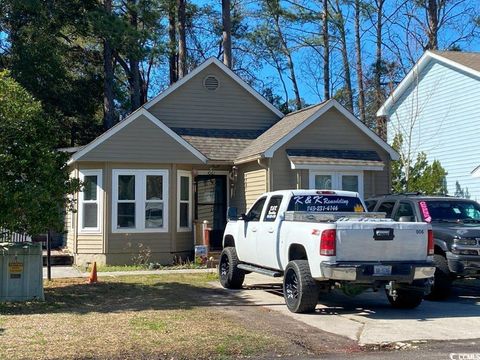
(136, 317)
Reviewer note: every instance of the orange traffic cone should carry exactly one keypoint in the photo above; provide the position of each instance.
(92, 279)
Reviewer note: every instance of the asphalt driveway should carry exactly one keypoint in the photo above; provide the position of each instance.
(369, 319)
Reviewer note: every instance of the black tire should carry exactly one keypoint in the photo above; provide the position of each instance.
(300, 290)
(231, 277)
(406, 299)
(442, 284)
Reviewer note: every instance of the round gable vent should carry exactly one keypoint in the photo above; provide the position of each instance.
(211, 83)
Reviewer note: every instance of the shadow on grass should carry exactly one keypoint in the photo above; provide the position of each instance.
(112, 297)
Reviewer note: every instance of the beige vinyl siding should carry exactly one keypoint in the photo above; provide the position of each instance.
(330, 131)
(141, 140)
(255, 185)
(238, 199)
(229, 107)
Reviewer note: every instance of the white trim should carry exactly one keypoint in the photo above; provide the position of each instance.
(227, 71)
(97, 230)
(476, 172)
(187, 174)
(141, 111)
(414, 72)
(332, 103)
(337, 167)
(337, 179)
(140, 199)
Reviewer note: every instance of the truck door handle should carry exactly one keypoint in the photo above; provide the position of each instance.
(270, 230)
(254, 229)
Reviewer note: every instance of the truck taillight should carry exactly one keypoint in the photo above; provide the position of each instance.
(328, 242)
(431, 245)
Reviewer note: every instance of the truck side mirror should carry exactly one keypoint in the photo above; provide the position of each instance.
(244, 217)
(232, 213)
(405, 219)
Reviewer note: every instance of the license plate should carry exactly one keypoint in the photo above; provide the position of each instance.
(382, 270)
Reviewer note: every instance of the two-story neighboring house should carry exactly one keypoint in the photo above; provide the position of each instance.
(207, 142)
(437, 108)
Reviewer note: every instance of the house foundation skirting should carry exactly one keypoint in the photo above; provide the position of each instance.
(131, 258)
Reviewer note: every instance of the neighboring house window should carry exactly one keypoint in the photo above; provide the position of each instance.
(349, 181)
(184, 198)
(139, 200)
(90, 201)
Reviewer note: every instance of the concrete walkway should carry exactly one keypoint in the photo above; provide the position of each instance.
(59, 272)
(369, 318)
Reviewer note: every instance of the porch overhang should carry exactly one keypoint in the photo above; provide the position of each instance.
(334, 160)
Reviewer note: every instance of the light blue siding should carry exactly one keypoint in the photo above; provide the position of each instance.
(443, 109)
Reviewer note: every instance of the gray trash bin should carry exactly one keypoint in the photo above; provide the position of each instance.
(21, 276)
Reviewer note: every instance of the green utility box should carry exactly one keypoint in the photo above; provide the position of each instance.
(21, 277)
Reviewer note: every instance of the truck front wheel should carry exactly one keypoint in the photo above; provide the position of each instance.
(300, 290)
(231, 277)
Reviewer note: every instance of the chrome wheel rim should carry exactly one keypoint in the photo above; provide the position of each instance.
(291, 287)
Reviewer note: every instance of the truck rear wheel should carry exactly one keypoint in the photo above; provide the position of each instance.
(231, 277)
(406, 299)
(300, 290)
(442, 284)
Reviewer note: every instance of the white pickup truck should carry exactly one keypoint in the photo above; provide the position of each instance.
(321, 239)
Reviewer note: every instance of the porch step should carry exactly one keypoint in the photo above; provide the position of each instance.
(58, 258)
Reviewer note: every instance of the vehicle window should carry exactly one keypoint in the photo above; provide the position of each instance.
(404, 209)
(450, 210)
(272, 208)
(387, 207)
(256, 210)
(371, 204)
(325, 203)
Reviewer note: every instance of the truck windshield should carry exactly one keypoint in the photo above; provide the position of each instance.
(325, 203)
(450, 211)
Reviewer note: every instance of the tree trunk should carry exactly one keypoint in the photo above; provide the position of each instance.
(432, 11)
(135, 79)
(290, 64)
(182, 42)
(108, 105)
(359, 65)
(326, 53)
(346, 64)
(381, 123)
(227, 33)
(172, 43)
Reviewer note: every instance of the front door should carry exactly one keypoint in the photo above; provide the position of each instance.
(211, 205)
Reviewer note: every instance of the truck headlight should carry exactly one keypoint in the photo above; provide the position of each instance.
(465, 242)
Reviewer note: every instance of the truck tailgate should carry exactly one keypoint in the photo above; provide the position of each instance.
(381, 240)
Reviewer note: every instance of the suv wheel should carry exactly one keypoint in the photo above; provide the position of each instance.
(442, 284)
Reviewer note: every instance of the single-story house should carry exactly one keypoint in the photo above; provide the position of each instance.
(436, 108)
(207, 142)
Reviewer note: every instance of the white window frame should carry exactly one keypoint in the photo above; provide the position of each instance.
(187, 174)
(140, 200)
(337, 179)
(97, 230)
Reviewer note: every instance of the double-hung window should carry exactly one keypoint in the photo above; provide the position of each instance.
(140, 200)
(90, 201)
(184, 200)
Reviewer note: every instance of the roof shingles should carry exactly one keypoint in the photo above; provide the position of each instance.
(278, 131)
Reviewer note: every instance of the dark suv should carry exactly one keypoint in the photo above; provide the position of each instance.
(456, 229)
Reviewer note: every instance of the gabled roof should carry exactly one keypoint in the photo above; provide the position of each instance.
(227, 71)
(293, 123)
(136, 114)
(468, 62)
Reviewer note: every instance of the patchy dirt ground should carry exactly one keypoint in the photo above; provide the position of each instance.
(154, 317)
